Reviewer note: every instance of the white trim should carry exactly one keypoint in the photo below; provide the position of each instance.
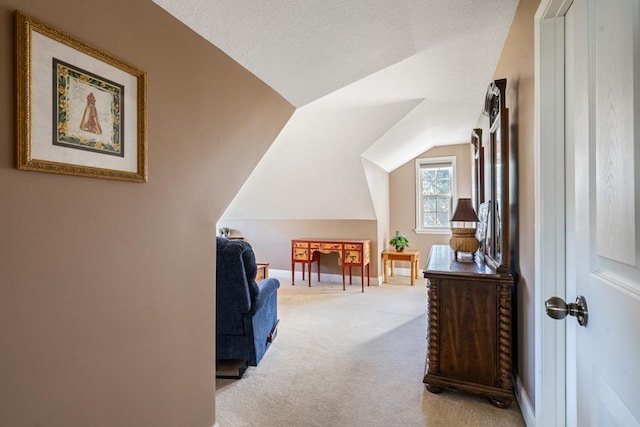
(454, 193)
(441, 230)
(405, 272)
(550, 379)
(526, 409)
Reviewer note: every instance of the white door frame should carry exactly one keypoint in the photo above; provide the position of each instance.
(549, 196)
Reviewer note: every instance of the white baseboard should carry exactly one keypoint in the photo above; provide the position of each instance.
(216, 424)
(405, 272)
(337, 278)
(324, 277)
(526, 409)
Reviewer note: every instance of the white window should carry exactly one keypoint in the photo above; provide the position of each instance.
(435, 191)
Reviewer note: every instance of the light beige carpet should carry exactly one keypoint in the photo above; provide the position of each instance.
(344, 358)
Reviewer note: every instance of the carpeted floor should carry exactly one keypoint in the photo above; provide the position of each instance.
(344, 358)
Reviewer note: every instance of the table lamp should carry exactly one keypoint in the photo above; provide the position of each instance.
(463, 239)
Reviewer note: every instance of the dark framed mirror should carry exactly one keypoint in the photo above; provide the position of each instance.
(497, 244)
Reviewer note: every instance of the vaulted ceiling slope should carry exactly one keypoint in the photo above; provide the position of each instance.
(383, 80)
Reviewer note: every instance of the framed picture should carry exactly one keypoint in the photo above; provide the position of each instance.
(80, 111)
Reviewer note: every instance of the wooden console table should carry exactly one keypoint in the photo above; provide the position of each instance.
(351, 252)
(411, 255)
(469, 332)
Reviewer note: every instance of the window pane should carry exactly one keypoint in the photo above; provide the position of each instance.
(443, 219)
(443, 186)
(428, 174)
(443, 173)
(429, 204)
(443, 204)
(430, 220)
(429, 186)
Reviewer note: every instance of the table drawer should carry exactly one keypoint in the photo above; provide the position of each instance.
(331, 246)
(300, 254)
(353, 246)
(352, 257)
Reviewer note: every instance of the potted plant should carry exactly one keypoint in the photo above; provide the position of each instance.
(399, 241)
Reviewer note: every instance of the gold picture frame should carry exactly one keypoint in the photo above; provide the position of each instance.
(80, 111)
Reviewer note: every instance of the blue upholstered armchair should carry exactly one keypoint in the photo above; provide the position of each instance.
(246, 311)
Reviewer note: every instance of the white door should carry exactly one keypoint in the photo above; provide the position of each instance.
(602, 85)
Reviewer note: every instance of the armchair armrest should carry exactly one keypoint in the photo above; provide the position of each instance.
(266, 288)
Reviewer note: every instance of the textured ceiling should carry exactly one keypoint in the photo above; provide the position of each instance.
(391, 78)
(307, 49)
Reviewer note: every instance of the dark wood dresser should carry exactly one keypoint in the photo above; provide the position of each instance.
(469, 328)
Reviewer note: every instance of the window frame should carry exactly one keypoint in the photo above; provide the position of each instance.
(425, 162)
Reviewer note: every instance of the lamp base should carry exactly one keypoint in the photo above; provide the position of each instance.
(464, 240)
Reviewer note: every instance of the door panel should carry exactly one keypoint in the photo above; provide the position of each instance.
(616, 178)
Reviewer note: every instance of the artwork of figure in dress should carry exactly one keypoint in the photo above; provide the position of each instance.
(90, 121)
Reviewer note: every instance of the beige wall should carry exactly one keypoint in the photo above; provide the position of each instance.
(107, 290)
(516, 65)
(271, 240)
(402, 189)
(394, 200)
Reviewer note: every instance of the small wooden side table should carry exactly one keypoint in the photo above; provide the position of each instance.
(411, 255)
(263, 271)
